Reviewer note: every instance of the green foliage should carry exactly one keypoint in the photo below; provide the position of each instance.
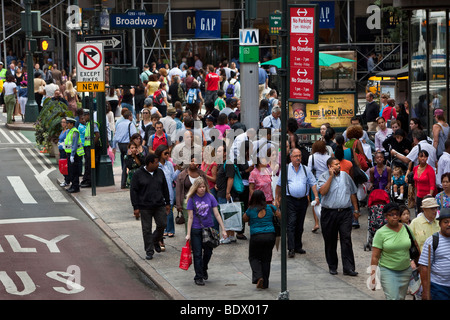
(48, 123)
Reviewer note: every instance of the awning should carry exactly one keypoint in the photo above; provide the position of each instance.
(396, 73)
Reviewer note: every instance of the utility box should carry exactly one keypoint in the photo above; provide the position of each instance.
(124, 76)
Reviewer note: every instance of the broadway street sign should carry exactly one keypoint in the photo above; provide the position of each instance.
(136, 19)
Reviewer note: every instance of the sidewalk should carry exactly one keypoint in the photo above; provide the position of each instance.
(229, 269)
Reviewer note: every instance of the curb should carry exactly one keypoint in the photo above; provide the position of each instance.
(165, 286)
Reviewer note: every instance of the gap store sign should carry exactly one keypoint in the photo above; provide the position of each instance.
(208, 24)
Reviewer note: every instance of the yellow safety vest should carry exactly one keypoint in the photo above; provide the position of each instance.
(3, 74)
(87, 134)
(68, 143)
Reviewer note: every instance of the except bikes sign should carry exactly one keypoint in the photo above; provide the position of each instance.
(90, 67)
(304, 53)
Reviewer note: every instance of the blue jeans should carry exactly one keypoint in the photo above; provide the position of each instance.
(395, 283)
(201, 253)
(170, 228)
(439, 292)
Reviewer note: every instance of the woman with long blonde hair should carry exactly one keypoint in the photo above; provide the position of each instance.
(70, 94)
(201, 206)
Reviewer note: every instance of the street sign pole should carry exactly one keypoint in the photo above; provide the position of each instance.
(31, 107)
(284, 294)
(92, 146)
(105, 172)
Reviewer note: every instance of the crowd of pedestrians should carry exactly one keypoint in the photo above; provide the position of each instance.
(184, 152)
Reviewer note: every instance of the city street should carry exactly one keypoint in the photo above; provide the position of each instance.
(230, 273)
(49, 248)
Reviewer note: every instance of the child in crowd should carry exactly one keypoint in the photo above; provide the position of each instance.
(133, 160)
(405, 215)
(398, 183)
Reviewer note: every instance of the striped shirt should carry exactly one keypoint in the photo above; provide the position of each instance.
(440, 260)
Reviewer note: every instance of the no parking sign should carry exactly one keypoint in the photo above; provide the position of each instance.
(90, 67)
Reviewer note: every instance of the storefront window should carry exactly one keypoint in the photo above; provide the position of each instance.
(419, 101)
(438, 36)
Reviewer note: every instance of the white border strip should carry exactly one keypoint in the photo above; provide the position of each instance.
(33, 220)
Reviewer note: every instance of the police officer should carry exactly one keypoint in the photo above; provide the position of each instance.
(74, 150)
(86, 181)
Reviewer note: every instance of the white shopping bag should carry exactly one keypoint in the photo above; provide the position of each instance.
(231, 213)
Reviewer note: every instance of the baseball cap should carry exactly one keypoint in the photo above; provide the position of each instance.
(444, 214)
(148, 101)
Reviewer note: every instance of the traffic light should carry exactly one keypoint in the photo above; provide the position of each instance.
(47, 45)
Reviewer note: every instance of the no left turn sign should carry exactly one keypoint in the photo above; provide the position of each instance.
(90, 67)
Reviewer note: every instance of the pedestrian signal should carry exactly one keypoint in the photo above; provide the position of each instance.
(47, 45)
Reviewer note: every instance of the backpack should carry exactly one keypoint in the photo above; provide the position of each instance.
(180, 94)
(158, 98)
(192, 96)
(238, 184)
(230, 90)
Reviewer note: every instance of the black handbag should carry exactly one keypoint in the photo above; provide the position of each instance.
(414, 252)
(276, 222)
(179, 219)
(210, 236)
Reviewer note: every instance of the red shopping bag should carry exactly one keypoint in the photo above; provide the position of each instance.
(63, 167)
(186, 256)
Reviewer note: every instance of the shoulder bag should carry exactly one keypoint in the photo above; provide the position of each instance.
(414, 252)
(210, 236)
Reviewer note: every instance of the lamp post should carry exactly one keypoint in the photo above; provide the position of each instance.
(31, 107)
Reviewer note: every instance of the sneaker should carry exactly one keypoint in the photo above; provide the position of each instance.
(225, 241)
(63, 184)
(199, 282)
(232, 238)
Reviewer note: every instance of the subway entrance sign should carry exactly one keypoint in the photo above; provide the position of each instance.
(90, 67)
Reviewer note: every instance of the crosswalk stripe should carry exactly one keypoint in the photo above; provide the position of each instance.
(21, 190)
(50, 188)
(6, 136)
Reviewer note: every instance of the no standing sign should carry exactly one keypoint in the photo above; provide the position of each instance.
(303, 53)
(90, 67)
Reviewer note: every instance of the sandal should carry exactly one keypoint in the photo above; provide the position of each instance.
(170, 235)
(163, 247)
(314, 230)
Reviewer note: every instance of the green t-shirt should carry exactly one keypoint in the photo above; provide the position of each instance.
(219, 104)
(394, 248)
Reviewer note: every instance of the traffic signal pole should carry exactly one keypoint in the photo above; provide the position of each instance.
(104, 172)
(31, 107)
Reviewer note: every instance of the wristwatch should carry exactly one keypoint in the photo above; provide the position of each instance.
(356, 211)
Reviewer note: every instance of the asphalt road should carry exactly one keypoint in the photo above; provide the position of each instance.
(49, 248)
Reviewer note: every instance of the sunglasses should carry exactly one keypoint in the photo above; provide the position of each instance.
(393, 214)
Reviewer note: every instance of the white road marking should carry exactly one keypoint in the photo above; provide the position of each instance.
(21, 190)
(34, 220)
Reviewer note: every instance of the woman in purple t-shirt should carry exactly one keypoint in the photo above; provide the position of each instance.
(201, 205)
